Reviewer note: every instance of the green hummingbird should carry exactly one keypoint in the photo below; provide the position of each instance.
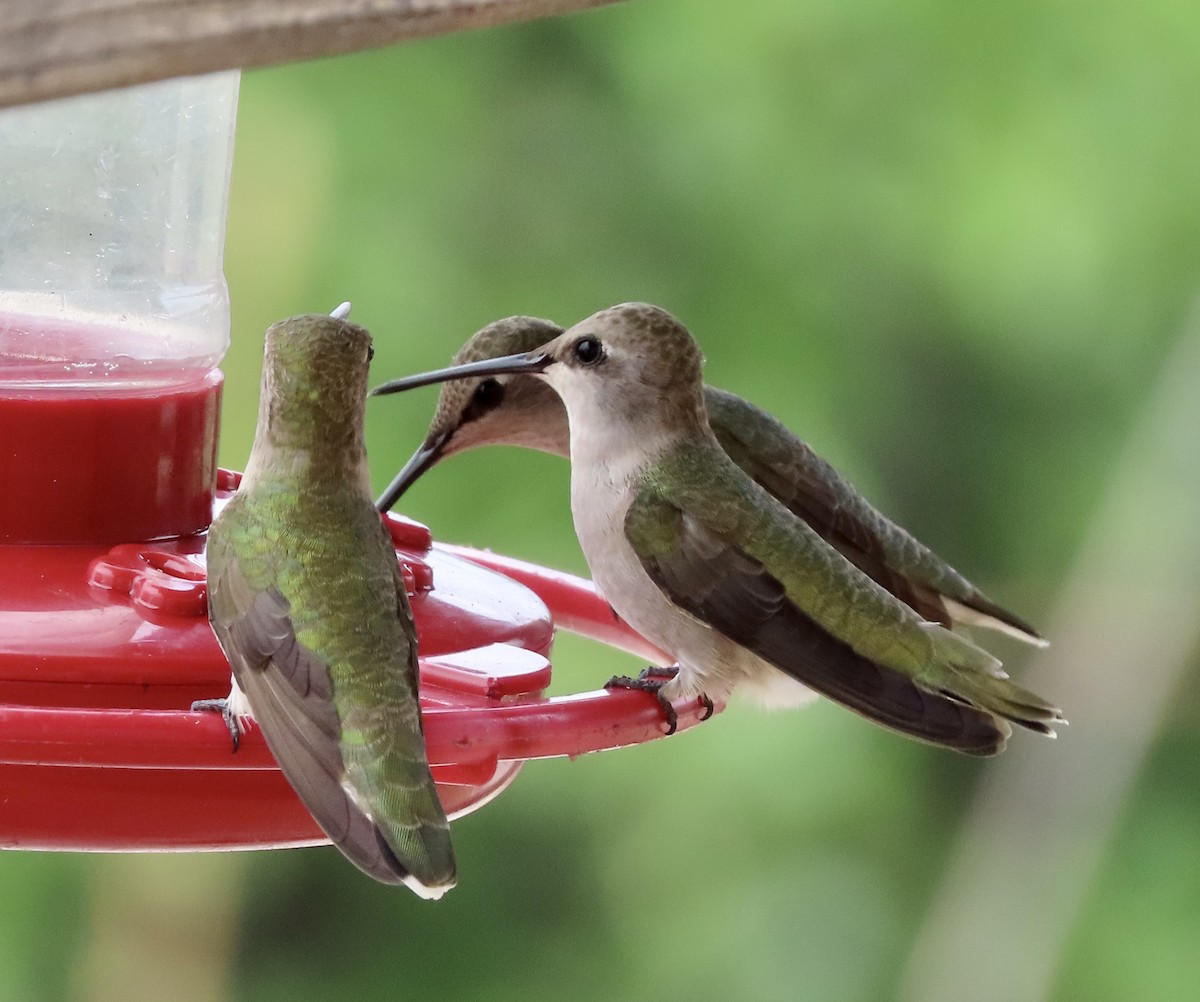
(306, 598)
(753, 573)
(522, 410)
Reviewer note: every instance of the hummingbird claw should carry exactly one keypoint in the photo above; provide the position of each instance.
(652, 680)
(709, 709)
(221, 706)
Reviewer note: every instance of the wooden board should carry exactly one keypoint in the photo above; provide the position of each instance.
(52, 48)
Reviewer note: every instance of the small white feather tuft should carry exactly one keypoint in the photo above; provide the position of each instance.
(773, 690)
(239, 706)
(429, 893)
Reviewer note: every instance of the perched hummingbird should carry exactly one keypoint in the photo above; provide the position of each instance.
(695, 553)
(307, 600)
(513, 409)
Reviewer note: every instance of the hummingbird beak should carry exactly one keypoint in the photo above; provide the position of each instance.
(421, 460)
(527, 364)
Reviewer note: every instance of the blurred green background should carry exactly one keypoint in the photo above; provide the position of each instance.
(954, 248)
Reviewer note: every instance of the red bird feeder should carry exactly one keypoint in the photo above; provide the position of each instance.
(103, 648)
(109, 401)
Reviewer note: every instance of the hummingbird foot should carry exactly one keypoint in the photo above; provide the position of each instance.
(221, 706)
(652, 680)
(657, 671)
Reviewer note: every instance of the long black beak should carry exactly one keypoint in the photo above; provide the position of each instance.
(532, 362)
(421, 460)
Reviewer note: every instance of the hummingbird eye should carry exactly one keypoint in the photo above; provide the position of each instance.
(589, 350)
(486, 397)
(370, 352)
(488, 394)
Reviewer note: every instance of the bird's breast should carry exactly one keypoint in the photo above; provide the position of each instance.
(708, 661)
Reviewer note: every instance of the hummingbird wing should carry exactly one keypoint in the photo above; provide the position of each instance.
(813, 490)
(290, 688)
(726, 552)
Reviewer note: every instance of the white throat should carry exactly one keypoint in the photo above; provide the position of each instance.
(613, 443)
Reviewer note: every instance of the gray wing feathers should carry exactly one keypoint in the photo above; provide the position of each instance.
(813, 490)
(289, 689)
(731, 591)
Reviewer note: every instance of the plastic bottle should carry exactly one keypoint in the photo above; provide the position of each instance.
(114, 312)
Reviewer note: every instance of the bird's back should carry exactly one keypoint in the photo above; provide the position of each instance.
(324, 551)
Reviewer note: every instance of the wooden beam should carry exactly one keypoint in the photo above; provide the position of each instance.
(52, 48)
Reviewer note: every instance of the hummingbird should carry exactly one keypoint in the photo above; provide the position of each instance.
(307, 600)
(741, 584)
(523, 410)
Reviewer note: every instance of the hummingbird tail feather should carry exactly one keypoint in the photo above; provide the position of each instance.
(797, 645)
(1004, 698)
(968, 673)
(979, 611)
(895, 702)
(437, 877)
(303, 741)
(416, 835)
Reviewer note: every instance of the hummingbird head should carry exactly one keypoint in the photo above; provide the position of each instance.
(641, 347)
(500, 409)
(631, 368)
(504, 409)
(314, 382)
